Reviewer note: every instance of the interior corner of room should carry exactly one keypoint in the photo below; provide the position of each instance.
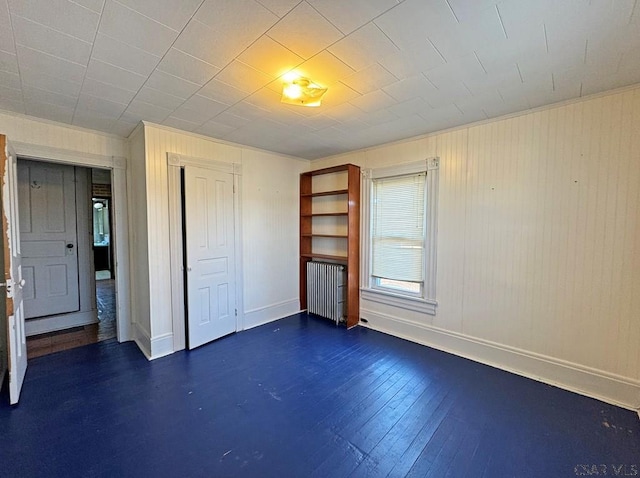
(163, 192)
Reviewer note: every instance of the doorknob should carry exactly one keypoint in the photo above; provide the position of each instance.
(22, 283)
(70, 246)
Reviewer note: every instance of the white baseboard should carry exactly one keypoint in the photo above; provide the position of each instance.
(161, 345)
(53, 323)
(269, 313)
(607, 387)
(142, 339)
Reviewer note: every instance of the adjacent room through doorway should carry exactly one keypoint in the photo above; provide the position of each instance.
(98, 279)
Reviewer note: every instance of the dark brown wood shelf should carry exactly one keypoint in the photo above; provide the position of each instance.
(338, 192)
(338, 236)
(324, 256)
(318, 214)
(351, 200)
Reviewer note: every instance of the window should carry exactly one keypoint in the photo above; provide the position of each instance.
(400, 221)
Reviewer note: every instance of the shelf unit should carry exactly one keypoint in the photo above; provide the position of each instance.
(349, 197)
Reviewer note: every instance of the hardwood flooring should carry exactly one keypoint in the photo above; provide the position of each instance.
(44, 344)
(297, 398)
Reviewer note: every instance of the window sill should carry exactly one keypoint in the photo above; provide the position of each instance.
(425, 306)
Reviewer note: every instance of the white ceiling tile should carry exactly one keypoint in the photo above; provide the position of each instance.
(411, 87)
(304, 31)
(406, 64)
(199, 109)
(279, 7)
(325, 69)
(266, 99)
(190, 68)
(221, 92)
(159, 98)
(337, 94)
(466, 9)
(123, 55)
(447, 94)
(49, 83)
(93, 5)
(357, 14)
(320, 122)
(10, 80)
(12, 94)
(54, 66)
(9, 104)
(123, 128)
(508, 75)
(6, 31)
(410, 107)
(173, 13)
(172, 84)
(230, 119)
(247, 111)
(61, 15)
(197, 40)
(8, 62)
(135, 29)
(364, 47)
(214, 129)
(48, 111)
(270, 57)
(342, 112)
(373, 101)
(36, 95)
(371, 78)
(243, 77)
(461, 69)
(88, 104)
(112, 75)
(139, 110)
(39, 37)
(380, 117)
(108, 92)
(409, 24)
(93, 121)
(227, 15)
(180, 124)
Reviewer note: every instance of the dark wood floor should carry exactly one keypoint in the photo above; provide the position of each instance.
(105, 329)
(297, 398)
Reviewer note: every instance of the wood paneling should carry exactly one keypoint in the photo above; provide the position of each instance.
(269, 206)
(539, 230)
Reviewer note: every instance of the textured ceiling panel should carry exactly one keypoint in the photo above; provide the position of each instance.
(394, 68)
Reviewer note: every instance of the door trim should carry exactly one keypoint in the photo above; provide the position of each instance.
(175, 162)
(118, 167)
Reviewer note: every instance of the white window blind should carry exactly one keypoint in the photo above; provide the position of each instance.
(398, 235)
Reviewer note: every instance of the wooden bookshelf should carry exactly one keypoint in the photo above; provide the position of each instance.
(349, 198)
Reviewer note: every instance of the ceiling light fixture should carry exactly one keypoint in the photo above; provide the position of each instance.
(301, 91)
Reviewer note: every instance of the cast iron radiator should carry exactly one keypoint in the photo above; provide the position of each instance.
(326, 290)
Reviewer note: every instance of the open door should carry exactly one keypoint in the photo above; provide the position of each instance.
(210, 255)
(13, 282)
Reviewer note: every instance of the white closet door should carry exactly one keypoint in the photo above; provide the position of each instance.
(210, 255)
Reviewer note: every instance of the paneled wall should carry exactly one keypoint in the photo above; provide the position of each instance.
(538, 244)
(54, 135)
(269, 209)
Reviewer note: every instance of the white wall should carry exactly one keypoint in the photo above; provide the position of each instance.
(269, 204)
(538, 244)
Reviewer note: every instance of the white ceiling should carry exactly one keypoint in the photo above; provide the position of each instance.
(394, 69)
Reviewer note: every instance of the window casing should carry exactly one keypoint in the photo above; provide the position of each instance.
(399, 232)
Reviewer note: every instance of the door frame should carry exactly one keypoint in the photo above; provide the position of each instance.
(175, 163)
(118, 167)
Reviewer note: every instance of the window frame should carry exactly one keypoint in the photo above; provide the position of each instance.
(425, 302)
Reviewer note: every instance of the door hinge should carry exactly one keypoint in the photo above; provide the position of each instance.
(236, 312)
(234, 188)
